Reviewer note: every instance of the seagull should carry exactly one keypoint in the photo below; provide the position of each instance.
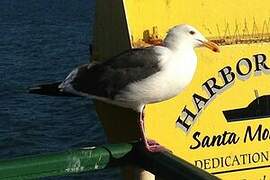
(139, 76)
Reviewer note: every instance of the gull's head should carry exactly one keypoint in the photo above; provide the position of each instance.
(187, 36)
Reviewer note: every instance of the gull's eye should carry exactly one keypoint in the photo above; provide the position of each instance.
(192, 32)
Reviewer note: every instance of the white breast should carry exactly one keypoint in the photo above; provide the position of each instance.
(176, 73)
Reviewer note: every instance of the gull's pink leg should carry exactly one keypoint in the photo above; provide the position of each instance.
(150, 145)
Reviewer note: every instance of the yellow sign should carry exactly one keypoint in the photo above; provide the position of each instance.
(221, 122)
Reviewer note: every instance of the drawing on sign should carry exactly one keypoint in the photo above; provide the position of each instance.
(258, 108)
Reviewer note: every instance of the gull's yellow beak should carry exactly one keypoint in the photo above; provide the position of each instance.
(213, 46)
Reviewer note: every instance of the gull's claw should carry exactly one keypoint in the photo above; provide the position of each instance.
(153, 146)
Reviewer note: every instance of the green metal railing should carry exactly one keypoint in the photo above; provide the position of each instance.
(164, 165)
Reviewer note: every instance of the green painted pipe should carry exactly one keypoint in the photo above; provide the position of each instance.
(65, 163)
(164, 165)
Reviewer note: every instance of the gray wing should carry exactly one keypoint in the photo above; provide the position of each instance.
(108, 78)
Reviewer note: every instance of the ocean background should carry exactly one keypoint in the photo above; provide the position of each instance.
(41, 41)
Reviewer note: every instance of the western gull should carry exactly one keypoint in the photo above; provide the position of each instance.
(137, 77)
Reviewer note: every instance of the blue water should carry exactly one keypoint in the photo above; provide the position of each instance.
(41, 41)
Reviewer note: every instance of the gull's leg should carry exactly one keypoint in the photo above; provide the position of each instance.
(150, 145)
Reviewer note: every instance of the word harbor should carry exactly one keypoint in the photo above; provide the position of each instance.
(243, 69)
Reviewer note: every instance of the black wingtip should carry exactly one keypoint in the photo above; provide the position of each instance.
(49, 90)
(34, 89)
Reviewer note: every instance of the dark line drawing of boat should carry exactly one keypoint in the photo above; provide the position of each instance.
(258, 108)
